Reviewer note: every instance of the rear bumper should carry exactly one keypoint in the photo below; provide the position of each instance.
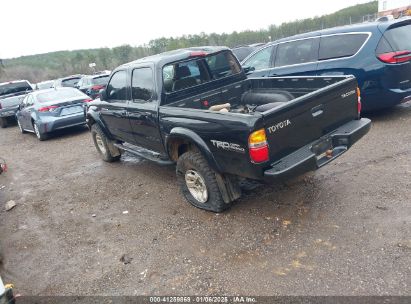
(50, 124)
(308, 159)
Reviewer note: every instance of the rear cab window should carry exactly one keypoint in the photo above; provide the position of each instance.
(339, 46)
(14, 87)
(186, 74)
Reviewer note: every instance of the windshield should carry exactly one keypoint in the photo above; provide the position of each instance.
(101, 80)
(15, 87)
(71, 82)
(58, 95)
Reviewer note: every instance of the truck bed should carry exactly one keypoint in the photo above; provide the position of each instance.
(293, 111)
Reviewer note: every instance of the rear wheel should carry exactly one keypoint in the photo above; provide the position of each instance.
(102, 144)
(198, 182)
(3, 122)
(40, 135)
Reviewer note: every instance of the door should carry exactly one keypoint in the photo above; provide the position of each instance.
(296, 58)
(142, 110)
(25, 113)
(114, 108)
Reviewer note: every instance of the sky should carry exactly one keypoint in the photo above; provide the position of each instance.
(39, 26)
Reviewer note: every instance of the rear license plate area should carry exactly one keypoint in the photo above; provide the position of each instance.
(71, 110)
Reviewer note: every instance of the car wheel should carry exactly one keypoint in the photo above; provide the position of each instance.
(198, 182)
(22, 131)
(40, 135)
(3, 122)
(102, 144)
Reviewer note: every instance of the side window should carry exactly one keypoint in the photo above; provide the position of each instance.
(142, 84)
(297, 52)
(338, 46)
(260, 60)
(117, 87)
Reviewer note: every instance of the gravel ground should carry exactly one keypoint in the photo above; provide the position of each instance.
(342, 230)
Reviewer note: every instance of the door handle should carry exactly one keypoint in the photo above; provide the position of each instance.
(317, 111)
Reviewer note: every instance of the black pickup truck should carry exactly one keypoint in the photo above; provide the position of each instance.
(196, 107)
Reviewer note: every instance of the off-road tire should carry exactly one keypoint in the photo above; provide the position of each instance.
(3, 122)
(40, 135)
(193, 160)
(96, 134)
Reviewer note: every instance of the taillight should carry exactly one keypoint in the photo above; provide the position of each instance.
(87, 100)
(258, 146)
(359, 106)
(97, 87)
(395, 57)
(48, 109)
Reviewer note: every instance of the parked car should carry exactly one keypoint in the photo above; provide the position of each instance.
(48, 84)
(378, 54)
(196, 107)
(45, 111)
(92, 84)
(11, 95)
(69, 81)
(242, 51)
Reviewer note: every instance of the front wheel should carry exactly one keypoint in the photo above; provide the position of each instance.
(103, 144)
(198, 182)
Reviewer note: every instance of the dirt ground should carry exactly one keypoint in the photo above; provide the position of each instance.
(342, 230)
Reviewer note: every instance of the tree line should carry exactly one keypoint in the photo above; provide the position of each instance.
(53, 65)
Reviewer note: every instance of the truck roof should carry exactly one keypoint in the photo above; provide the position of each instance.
(175, 55)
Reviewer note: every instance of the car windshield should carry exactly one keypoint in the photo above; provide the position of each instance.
(71, 82)
(15, 87)
(58, 95)
(101, 80)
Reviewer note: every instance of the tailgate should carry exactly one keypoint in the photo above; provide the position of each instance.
(11, 102)
(309, 117)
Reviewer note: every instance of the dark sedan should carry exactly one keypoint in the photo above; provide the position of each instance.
(92, 84)
(42, 112)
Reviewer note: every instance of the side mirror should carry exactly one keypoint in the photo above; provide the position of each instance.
(248, 69)
(21, 106)
(103, 94)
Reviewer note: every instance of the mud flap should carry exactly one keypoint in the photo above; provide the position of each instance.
(229, 187)
(114, 151)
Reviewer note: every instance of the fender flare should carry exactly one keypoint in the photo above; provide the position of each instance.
(96, 118)
(191, 136)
